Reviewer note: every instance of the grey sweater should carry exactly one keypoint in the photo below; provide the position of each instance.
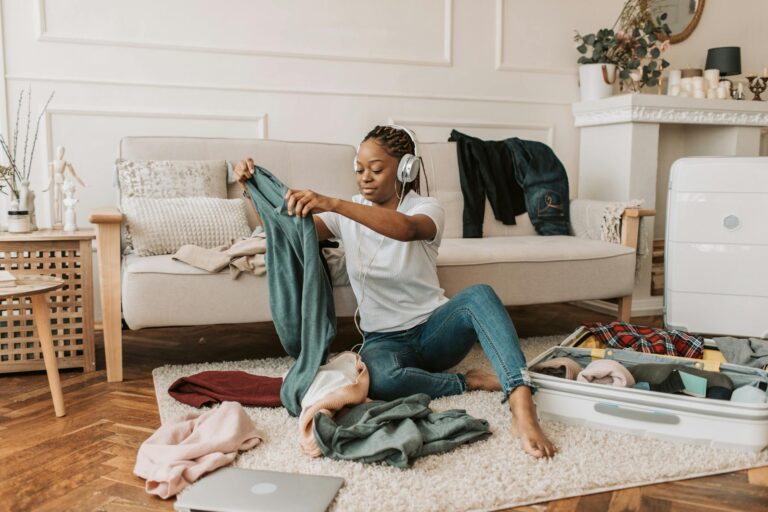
(395, 432)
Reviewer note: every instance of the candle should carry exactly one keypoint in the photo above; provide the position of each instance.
(765, 71)
(674, 76)
(712, 76)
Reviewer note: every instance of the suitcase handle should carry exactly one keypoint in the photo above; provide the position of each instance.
(622, 411)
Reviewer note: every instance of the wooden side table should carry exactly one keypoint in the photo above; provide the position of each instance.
(37, 289)
(69, 257)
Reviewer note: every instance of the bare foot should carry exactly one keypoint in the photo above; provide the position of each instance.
(526, 425)
(482, 380)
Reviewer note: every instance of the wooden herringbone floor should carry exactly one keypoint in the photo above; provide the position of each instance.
(83, 461)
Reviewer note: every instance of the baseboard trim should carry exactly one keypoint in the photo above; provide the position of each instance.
(648, 306)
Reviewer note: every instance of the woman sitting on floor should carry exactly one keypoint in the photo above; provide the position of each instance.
(411, 332)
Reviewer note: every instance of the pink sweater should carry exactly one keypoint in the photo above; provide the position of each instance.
(180, 452)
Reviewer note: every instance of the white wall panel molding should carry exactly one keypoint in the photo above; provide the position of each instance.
(284, 90)
(444, 59)
(260, 120)
(545, 130)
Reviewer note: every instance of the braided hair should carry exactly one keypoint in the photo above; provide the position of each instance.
(397, 143)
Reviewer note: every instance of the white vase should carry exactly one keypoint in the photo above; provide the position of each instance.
(596, 81)
(24, 195)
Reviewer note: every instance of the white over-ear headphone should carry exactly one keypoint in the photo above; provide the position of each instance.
(410, 165)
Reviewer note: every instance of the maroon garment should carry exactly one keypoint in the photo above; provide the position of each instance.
(207, 388)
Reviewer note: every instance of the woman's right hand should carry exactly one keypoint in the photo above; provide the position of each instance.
(243, 171)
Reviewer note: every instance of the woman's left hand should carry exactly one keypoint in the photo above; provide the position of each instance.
(304, 202)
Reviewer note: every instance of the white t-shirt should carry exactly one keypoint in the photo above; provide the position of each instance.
(401, 286)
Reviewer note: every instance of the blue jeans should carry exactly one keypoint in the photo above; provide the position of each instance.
(402, 363)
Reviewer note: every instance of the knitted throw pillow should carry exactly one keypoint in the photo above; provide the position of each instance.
(169, 178)
(162, 226)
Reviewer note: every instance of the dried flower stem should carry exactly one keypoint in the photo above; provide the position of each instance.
(26, 137)
(13, 173)
(28, 171)
(16, 128)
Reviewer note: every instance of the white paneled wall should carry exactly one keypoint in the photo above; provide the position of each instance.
(306, 70)
(293, 70)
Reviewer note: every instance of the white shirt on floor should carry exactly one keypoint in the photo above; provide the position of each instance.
(401, 286)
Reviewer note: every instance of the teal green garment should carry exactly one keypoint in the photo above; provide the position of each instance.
(300, 296)
(395, 432)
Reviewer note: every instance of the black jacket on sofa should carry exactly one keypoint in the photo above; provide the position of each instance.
(517, 176)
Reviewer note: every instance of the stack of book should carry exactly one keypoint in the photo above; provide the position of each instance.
(7, 279)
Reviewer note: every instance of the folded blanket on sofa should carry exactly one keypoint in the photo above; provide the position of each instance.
(242, 255)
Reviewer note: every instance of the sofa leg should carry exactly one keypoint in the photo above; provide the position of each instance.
(108, 240)
(625, 309)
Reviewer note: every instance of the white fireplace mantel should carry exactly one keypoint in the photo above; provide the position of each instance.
(629, 143)
(651, 108)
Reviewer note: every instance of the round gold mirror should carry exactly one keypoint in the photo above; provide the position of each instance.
(682, 16)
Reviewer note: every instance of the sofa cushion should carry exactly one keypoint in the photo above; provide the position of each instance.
(172, 178)
(162, 226)
(477, 251)
(537, 269)
(158, 291)
(324, 168)
(168, 178)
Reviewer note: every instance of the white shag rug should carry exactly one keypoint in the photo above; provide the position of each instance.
(490, 474)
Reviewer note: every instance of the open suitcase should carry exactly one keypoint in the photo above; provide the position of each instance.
(716, 282)
(648, 413)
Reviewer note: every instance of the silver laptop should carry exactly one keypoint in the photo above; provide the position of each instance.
(251, 490)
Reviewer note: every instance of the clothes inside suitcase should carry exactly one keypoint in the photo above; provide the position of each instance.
(671, 417)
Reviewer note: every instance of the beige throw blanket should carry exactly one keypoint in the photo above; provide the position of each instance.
(180, 452)
(243, 255)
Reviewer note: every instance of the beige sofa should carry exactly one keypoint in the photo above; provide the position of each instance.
(522, 267)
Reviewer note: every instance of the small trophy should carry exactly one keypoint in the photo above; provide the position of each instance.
(757, 86)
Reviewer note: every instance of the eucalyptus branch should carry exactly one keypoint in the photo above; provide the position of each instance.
(34, 141)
